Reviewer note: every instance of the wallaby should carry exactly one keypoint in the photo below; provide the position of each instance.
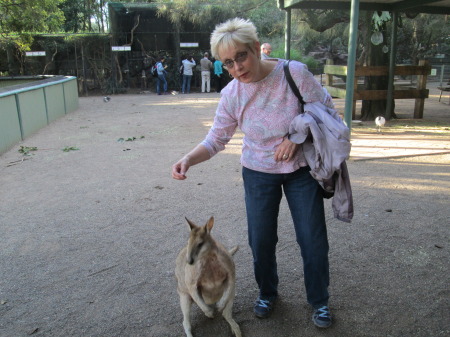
(206, 275)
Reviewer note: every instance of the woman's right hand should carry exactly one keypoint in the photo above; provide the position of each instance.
(197, 155)
(180, 168)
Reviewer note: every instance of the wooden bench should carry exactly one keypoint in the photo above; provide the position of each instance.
(419, 93)
(442, 89)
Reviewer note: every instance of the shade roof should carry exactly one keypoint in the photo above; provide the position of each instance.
(417, 6)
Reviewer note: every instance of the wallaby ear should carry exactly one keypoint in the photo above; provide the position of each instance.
(191, 224)
(209, 225)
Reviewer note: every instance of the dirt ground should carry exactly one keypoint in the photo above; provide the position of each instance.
(89, 236)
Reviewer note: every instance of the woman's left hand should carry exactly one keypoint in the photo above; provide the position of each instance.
(286, 150)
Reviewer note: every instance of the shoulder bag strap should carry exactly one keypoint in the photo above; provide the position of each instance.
(294, 88)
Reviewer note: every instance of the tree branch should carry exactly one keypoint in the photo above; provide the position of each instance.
(254, 7)
(52, 60)
(136, 24)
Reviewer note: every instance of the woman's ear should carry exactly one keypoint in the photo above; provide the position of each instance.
(257, 47)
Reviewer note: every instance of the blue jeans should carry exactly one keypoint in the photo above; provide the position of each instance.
(263, 193)
(186, 87)
(162, 80)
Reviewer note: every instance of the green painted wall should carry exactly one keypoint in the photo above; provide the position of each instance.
(54, 97)
(71, 95)
(9, 123)
(25, 110)
(33, 115)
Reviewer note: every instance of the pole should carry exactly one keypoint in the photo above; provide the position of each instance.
(350, 85)
(287, 51)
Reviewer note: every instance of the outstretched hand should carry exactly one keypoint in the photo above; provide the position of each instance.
(180, 168)
(197, 155)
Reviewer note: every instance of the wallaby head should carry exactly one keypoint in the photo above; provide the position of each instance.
(199, 239)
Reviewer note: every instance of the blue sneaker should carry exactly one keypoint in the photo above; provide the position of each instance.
(263, 307)
(322, 317)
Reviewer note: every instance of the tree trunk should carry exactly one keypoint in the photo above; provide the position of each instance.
(89, 16)
(374, 57)
(102, 23)
(177, 46)
(13, 70)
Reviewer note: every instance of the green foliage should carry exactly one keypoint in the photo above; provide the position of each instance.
(19, 17)
(25, 150)
(129, 139)
(81, 14)
(421, 37)
(74, 13)
(268, 19)
(266, 16)
(199, 12)
(70, 148)
(296, 55)
(30, 15)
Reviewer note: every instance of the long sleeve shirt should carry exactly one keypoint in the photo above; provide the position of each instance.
(263, 110)
(188, 65)
(160, 68)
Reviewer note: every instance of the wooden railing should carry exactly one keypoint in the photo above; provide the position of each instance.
(419, 93)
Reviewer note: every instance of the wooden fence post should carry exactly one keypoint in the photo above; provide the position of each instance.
(421, 85)
(329, 77)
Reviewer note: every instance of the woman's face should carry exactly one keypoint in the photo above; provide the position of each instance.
(243, 63)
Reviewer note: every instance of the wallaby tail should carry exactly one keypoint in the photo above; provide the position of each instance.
(233, 250)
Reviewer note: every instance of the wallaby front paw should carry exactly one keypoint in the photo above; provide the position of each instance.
(209, 313)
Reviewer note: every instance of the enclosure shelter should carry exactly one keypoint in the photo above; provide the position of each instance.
(149, 35)
(140, 26)
(393, 6)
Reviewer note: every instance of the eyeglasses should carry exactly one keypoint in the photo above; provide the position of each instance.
(240, 57)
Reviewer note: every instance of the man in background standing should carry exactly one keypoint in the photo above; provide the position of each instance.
(266, 49)
(206, 66)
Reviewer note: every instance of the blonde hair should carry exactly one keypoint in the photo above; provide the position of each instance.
(231, 32)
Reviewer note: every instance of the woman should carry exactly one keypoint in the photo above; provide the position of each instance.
(162, 82)
(218, 75)
(188, 65)
(260, 102)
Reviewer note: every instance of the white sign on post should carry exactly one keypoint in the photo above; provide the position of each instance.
(188, 44)
(121, 48)
(35, 53)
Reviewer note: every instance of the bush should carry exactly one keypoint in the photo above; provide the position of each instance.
(310, 62)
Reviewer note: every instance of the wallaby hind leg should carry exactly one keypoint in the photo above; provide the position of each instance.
(186, 303)
(228, 317)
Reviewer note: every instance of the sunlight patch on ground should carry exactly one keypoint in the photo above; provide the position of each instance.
(193, 102)
(416, 185)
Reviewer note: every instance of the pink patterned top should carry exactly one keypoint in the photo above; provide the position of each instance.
(263, 110)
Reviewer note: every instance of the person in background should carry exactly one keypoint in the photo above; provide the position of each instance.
(161, 76)
(266, 50)
(260, 102)
(188, 65)
(218, 75)
(205, 67)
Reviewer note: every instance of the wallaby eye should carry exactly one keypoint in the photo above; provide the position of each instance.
(200, 244)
